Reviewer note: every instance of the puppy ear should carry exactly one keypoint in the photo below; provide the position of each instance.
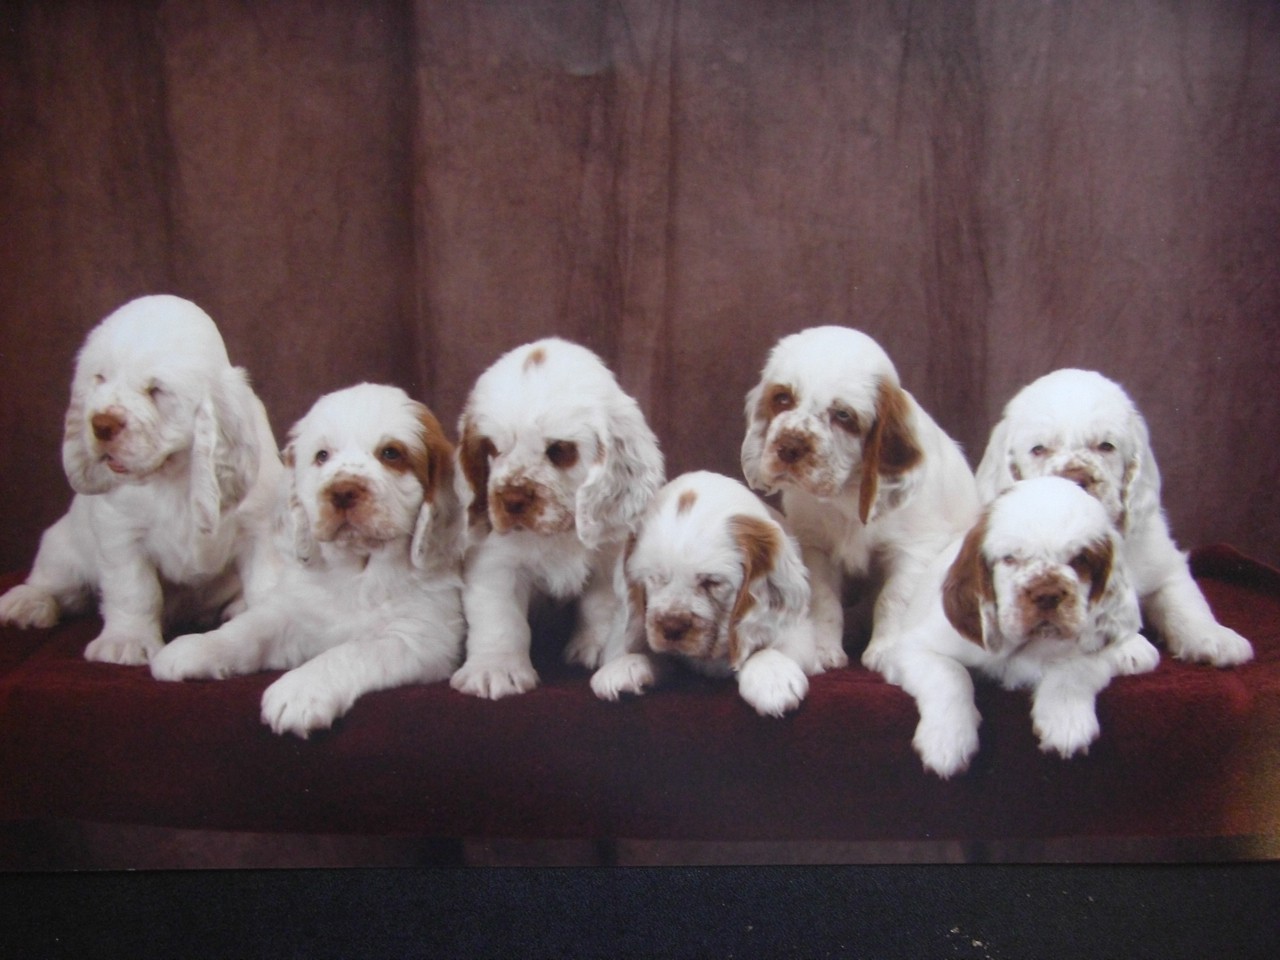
(85, 473)
(968, 592)
(774, 584)
(224, 451)
(474, 453)
(1095, 563)
(1140, 488)
(890, 448)
(304, 543)
(439, 530)
(624, 478)
(996, 472)
(753, 443)
(636, 597)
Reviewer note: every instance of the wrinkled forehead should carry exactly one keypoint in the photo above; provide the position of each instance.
(831, 364)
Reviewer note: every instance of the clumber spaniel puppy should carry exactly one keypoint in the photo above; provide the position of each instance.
(559, 465)
(1080, 425)
(871, 485)
(174, 467)
(1035, 595)
(372, 599)
(714, 580)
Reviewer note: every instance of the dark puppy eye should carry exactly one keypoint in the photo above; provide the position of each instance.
(562, 453)
(1039, 450)
(321, 457)
(1106, 446)
(782, 400)
(390, 454)
(709, 583)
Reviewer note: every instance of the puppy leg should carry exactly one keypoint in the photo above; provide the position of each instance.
(1131, 656)
(495, 600)
(1181, 615)
(598, 610)
(61, 581)
(132, 607)
(772, 682)
(247, 643)
(632, 673)
(891, 606)
(826, 607)
(946, 737)
(314, 695)
(1063, 712)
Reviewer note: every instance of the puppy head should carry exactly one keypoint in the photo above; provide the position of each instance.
(711, 572)
(370, 466)
(152, 391)
(828, 414)
(1078, 425)
(550, 444)
(1036, 569)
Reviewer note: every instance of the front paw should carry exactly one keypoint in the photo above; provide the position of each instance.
(1215, 644)
(584, 649)
(947, 744)
(495, 677)
(189, 657)
(631, 673)
(26, 606)
(1065, 727)
(127, 650)
(772, 683)
(299, 704)
(1133, 656)
(876, 656)
(831, 654)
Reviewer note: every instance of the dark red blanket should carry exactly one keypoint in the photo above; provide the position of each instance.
(1185, 752)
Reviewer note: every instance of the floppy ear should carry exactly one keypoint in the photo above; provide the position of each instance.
(890, 448)
(754, 442)
(968, 592)
(637, 599)
(774, 584)
(1140, 488)
(224, 451)
(474, 453)
(439, 529)
(995, 474)
(85, 473)
(624, 478)
(304, 543)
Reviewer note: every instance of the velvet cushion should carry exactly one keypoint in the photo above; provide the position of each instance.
(1187, 751)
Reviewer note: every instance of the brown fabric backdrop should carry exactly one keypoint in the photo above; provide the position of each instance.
(397, 191)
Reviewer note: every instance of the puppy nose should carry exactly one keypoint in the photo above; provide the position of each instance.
(345, 494)
(793, 447)
(1081, 476)
(106, 425)
(516, 500)
(674, 626)
(1048, 599)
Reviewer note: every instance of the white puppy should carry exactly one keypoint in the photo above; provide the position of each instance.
(1035, 595)
(373, 597)
(174, 467)
(1080, 425)
(713, 579)
(559, 465)
(871, 485)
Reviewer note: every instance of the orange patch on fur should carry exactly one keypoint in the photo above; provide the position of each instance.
(686, 501)
(474, 454)
(968, 584)
(432, 464)
(536, 358)
(760, 543)
(1093, 564)
(891, 447)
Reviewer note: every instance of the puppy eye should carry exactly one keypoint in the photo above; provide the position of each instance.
(391, 454)
(155, 392)
(99, 379)
(1106, 446)
(562, 453)
(1009, 560)
(321, 457)
(708, 583)
(1039, 450)
(782, 400)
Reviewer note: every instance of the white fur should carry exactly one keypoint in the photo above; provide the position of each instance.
(689, 565)
(532, 405)
(174, 467)
(1032, 534)
(1079, 424)
(830, 372)
(372, 597)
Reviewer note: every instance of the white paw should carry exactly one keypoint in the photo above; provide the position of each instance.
(129, 651)
(298, 704)
(27, 606)
(1065, 727)
(189, 657)
(876, 656)
(630, 673)
(1133, 656)
(1215, 644)
(585, 649)
(832, 656)
(772, 683)
(495, 677)
(947, 744)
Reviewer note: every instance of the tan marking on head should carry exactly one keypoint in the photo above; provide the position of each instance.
(475, 452)
(775, 398)
(968, 584)
(1093, 566)
(890, 448)
(760, 542)
(432, 463)
(535, 358)
(686, 501)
